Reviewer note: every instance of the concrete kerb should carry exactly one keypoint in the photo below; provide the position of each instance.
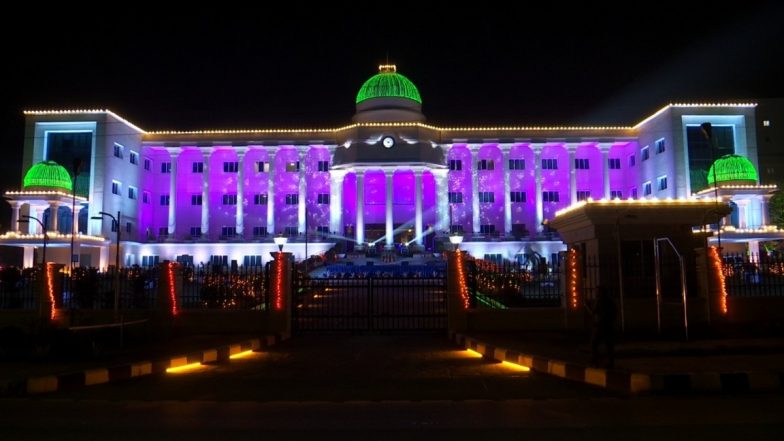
(102, 375)
(631, 383)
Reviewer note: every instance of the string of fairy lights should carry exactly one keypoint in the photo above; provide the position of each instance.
(718, 268)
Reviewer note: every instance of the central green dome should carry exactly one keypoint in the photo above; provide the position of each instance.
(387, 83)
(732, 168)
(47, 175)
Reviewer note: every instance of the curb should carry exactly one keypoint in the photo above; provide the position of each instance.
(631, 383)
(102, 375)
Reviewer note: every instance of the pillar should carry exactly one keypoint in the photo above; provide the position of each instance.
(75, 217)
(606, 170)
(390, 226)
(475, 191)
(336, 201)
(271, 193)
(205, 194)
(572, 175)
(763, 204)
(538, 179)
(303, 194)
(54, 207)
(15, 206)
(507, 194)
(32, 226)
(240, 224)
(173, 154)
(360, 231)
(418, 206)
(27, 259)
(443, 217)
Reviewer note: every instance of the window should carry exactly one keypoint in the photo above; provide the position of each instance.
(292, 199)
(259, 231)
(485, 164)
(231, 167)
(146, 197)
(229, 199)
(322, 229)
(219, 260)
(197, 167)
(497, 258)
(634, 192)
(134, 158)
(132, 192)
(487, 197)
(291, 231)
(323, 166)
(116, 187)
(456, 229)
(165, 167)
(195, 231)
(114, 227)
(660, 146)
(487, 229)
(147, 163)
(517, 164)
(262, 167)
(766, 123)
(581, 164)
(196, 199)
(661, 183)
(252, 261)
(646, 188)
(163, 232)
(260, 199)
(455, 164)
(632, 160)
(583, 195)
(228, 231)
(164, 199)
(455, 197)
(550, 196)
(517, 196)
(322, 199)
(118, 151)
(614, 163)
(128, 227)
(150, 260)
(549, 164)
(616, 194)
(292, 166)
(644, 154)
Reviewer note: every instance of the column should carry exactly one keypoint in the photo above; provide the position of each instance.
(75, 217)
(763, 211)
(390, 230)
(538, 179)
(507, 193)
(173, 192)
(15, 205)
(303, 194)
(32, 226)
(606, 170)
(336, 201)
(205, 194)
(572, 175)
(443, 219)
(240, 225)
(418, 206)
(475, 191)
(54, 207)
(271, 192)
(360, 229)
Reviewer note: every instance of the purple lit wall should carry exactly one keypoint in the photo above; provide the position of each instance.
(460, 181)
(555, 179)
(525, 181)
(375, 198)
(317, 183)
(222, 183)
(617, 181)
(592, 178)
(255, 182)
(188, 184)
(631, 174)
(404, 197)
(154, 216)
(349, 205)
(428, 201)
(286, 183)
(492, 181)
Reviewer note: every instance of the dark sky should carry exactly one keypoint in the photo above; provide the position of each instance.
(202, 68)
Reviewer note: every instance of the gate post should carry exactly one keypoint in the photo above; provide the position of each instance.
(280, 294)
(457, 295)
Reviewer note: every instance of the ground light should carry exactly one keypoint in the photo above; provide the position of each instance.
(515, 366)
(186, 368)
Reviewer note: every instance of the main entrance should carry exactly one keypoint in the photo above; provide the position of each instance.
(369, 304)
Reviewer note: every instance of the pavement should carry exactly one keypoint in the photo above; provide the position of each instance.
(642, 365)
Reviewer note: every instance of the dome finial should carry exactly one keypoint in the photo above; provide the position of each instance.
(387, 68)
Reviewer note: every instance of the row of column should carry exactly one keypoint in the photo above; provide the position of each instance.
(37, 211)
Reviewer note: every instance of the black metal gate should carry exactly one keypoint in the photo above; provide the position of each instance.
(362, 305)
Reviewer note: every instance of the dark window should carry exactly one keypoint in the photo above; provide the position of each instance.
(195, 231)
(165, 167)
(486, 197)
(231, 167)
(455, 197)
(550, 164)
(517, 164)
(229, 199)
(581, 164)
(646, 188)
(517, 196)
(455, 164)
(164, 199)
(259, 231)
(485, 164)
(583, 195)
(292, 199)
(322, 199)
(228, 231)
(550, 196)
(660, 146)
(260, 199)
(632, 160)
(134, 158)
(198, 167)
(614, 163)
(196, 199)
(644, 154)
(487, 229)
(323, 166)
(616, 194)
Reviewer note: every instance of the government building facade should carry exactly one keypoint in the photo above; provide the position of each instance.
(388, 181)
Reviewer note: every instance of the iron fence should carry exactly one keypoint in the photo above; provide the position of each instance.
(510, 285)
(754, 275)
(17, 288)
(87, 288)
(221, 287)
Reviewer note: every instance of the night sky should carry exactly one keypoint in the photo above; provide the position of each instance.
(201, 68)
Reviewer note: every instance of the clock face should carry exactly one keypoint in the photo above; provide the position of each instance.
(388, 142)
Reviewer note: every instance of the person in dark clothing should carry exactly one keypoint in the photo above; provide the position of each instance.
(603, 312)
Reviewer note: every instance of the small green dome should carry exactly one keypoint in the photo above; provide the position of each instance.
(388, 84)
(732, 168)
(47, 175)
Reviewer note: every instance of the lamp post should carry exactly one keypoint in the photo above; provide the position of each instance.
(77, 163)
(116, 221)
(456, 239)
(707, 132)
(26, 219)
(280, 241)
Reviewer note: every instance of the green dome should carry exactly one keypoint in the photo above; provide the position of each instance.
(47, 175)
(731, 168)
(388, 84)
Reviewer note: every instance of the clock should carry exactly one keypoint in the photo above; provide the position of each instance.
(388, 142)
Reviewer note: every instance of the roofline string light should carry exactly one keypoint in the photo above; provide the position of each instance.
(638, 202)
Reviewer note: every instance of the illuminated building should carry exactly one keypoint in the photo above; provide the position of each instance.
(388, 177)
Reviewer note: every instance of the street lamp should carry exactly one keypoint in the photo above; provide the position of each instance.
(116, 222)
(26, 220)
(707, 132)
(280, 241)
(456, 239)
(77, 163)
